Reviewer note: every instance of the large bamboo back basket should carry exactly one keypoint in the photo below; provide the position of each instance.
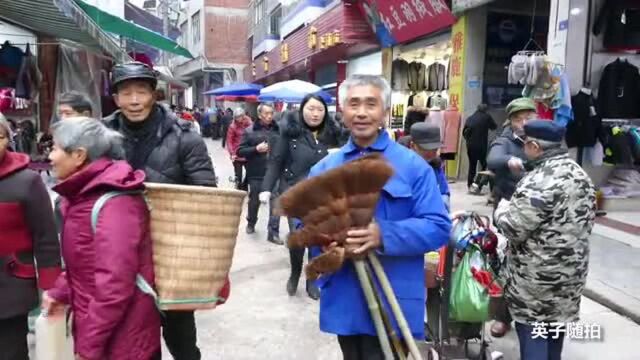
(194, 231)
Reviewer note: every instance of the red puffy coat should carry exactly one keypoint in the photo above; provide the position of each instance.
(112, 318)
(234, 135)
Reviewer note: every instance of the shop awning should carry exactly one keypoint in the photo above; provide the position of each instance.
(118, 26)
(61, 19)
(236, 90)
(164, 74)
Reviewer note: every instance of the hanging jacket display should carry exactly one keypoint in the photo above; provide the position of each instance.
(417, 76)
(585, 128)
(10, 62)
(620, 21)
(29, 76)
(437, 77)
(400, 75)
(619, 91)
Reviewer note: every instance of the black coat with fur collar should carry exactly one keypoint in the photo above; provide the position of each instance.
(298, 150)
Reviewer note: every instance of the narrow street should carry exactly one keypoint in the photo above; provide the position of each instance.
(261, 322)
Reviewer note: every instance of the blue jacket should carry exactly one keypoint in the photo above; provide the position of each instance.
(412, 221)
(443, 186)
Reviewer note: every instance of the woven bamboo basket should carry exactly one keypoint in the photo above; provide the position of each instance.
(194, 232)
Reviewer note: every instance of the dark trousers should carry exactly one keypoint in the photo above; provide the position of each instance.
(225, 129)
(179, 333)
(13, 338)
(241, 184)
(255, 188)
(476, 155)
(296, 255)
(541, 347)
(360, 347)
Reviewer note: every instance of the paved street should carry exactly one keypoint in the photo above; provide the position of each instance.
(261, 322)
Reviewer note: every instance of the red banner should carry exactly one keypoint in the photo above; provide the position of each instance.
(405, 20)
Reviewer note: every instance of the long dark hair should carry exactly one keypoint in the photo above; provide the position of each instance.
(327, 130)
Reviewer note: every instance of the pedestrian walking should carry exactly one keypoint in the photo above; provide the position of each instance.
(506, 159)
(476, 134)
(29, 250)
(257, 142)
(306, 137)
(425, 141)
(241, 121)
(410, 220)
(548, 221)
(169, 151)
(112, 318)
(225, 123)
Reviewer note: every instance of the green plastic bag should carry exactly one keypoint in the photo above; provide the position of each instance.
(469, 301)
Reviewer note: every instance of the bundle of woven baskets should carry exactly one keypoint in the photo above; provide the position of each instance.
(194, 232)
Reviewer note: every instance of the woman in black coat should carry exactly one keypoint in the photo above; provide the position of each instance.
(305, 139)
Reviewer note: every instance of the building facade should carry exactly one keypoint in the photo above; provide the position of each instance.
(215, 32)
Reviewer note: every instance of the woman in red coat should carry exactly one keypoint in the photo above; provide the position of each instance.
(112, 318)
(27, 232)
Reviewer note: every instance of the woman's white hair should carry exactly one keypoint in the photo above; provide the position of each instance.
(89, 134)
(367, 80)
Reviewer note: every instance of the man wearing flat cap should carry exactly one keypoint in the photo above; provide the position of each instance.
(425, 140)
(547, 222)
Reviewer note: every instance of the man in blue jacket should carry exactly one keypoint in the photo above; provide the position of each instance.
(410, 220)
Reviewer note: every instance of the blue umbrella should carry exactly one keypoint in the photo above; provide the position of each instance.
(292, 96)
(236, 90)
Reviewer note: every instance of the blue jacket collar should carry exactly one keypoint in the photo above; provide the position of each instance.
(380, 144)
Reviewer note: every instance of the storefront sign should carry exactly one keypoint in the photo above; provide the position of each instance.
(396, 21)
(463, 5)
(312, 38)
(265, 61)
(457, 77)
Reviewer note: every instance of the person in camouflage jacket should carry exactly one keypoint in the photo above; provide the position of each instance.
(548, 221)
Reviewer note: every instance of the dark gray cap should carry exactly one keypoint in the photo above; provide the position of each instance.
(426, 136)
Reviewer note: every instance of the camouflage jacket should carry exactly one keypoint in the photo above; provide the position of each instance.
(547, 222)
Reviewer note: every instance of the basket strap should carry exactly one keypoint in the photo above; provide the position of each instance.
(141, 283)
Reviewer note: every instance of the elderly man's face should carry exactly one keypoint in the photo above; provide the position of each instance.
(519, 119)
(364, 113)
(4, 141)
(532, 149)
(266, 115)
(136, 99)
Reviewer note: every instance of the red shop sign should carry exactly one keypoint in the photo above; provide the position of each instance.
(399, 21)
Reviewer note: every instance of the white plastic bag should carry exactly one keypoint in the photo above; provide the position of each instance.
(53, 340)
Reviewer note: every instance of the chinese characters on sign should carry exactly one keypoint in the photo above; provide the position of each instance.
(456, 70)
(409, 19)
(326, 40)
(573, 330)
(284, 52)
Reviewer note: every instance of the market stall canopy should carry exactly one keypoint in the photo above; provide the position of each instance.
(130, 30)
(292, 96)
(245, 98)
(298, 86)
(236, 90)
(62, 19)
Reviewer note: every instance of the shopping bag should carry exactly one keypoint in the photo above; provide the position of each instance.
(469, 301)
(53, 338)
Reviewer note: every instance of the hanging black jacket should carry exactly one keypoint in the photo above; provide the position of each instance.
(177, 154)
(618, 94)
(620, 20)
(298, 150)
(253, 136)
(585, 128)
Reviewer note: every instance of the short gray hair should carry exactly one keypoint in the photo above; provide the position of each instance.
(238, 112)
(89, 134)
(364, 80)
(263, 105)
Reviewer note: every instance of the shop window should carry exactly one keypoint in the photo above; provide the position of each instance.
(195, 28)
(184, 34)
(275, 19)
(259, 10)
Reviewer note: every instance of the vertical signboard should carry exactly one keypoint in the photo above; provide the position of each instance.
(457, 79)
